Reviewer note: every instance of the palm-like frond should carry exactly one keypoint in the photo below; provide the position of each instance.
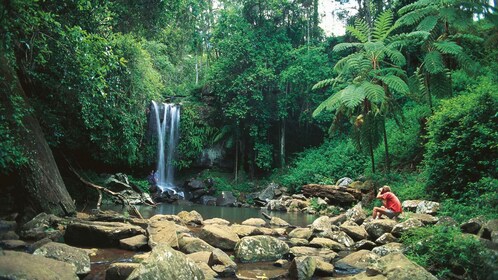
(395, 83)
(341, 64)
(414, 6)
(344, 46)
(440, 84)
(448, 47)
(383, 25)
(360, 30)
(415, 17)
(395, 56)
(353, 96)
(428, 23)
(433, 62)
(373, 92)
(324, 83)
(466, 37)
(334, 101)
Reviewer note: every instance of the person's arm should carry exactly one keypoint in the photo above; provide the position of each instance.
(379, 194)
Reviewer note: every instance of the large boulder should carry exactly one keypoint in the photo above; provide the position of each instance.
(216, 221)
(321, 224)
(257, 222)
(219, 236)
(320, 242)
(276, 221)
(304, 233)
(167, 263)
(487, 230)
(190, 218)
(335, 194)
(268, 193)
(388, 248)
(396, 266)
(302, 268)
(99, 234)
(135, 243)
(120, 271)
(405, 226)
(189, 245)
(42, 226)
(376, 228)
(321, 253)
(340, 237)
(360, 259)
(226, 198)
(222, 263)
(386, 238)
(473, 225)
(356, 214)
(162, 231)
(427, 207)
(17, 265)
(276, 205)
(354, 231)
(244, 230)
(68, 254)
(260, 248)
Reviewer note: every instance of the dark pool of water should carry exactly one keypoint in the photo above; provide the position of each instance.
(231, 214)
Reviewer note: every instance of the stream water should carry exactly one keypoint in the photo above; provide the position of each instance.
(231, 214)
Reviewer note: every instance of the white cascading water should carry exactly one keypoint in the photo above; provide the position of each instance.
(168, 128)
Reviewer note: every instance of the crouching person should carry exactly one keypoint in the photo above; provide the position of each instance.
(391, 204)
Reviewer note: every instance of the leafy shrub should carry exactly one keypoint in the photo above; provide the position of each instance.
(325, 164)
(480, 200)
(461, 146)
(445, 251)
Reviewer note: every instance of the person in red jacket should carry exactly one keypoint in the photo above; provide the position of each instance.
(392, 206)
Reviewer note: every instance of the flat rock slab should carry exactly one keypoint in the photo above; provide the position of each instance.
(99, 234)
(68, 254)
(17, 265)
(134, 243)
(162, 231)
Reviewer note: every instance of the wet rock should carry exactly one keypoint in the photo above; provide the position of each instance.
(216, 221)
(189, 245)
(276, 221)
(135, 243)
(324, 254)
(354, 231)
(304, 233)
(99, 234)
(167, 263)
(219, 236)
(18, 265)
(473, 225)
(162, 231)
(319, 242)
(190, 218)
(376, 228)
(386, 238)
(360, 259)
(280, 263)
(397, 266)
(323, 268)
(120, 271)
(427, 207)
(257, 222)
(356, 214)
(208, 200)
(202, 256)
(298, 241)
(388, 249)
(276, 205)
(226, 266)
(42, 226)
(226, 199)
(302, 268)
(15, 244)
(405, 226)
(209, 273)
(268, 193)
(339, 219)
(32, 247)
(68, 254)
(365, 245)
(260, 248)
(321, 224)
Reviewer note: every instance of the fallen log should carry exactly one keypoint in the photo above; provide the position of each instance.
(335, 194)
(101, 189)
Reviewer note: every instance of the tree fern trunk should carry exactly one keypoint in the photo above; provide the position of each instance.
(429, 96)
(370, 147)
(386, 148)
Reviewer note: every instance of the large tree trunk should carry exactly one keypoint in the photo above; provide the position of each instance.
(40, 179)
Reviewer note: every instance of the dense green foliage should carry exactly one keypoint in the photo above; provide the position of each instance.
(446, 252)
(461, 147)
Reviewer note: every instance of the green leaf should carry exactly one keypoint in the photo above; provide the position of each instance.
(448, 47)
(428, 23)
(383, 25)
(396, 57)
(414, 17)
(433, 62)
(324, 83)
(344, 46)
(395, 83)
(373, 92)
(360, 30)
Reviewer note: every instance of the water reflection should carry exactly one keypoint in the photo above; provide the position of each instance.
(231, 214)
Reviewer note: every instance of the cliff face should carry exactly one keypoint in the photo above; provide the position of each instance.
(40, 181)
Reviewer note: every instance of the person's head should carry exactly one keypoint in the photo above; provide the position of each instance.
(386, 189)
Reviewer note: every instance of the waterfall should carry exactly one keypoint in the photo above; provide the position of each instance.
(167, 139)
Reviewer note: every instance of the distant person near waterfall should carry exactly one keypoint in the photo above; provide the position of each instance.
(391, 204)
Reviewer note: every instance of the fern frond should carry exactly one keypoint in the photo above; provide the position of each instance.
(415, 17)
(395, 83)
(324, 83)
(360, 30)
(440, 85)
(339, 66)
(330, 103)
(448, 47)
(422, 35)
(344, 46)
(468, 64)
(466, 37)
(396, 56)
(389, 71)
(428, 23)
(373, 92)
(414, 6)
(433, 62)
(352, 97)
(383, 25)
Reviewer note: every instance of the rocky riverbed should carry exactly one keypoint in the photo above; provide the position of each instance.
(186, 246)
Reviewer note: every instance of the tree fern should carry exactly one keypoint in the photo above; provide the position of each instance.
(396, 56)
(333, 102)
(353, 96)
(415, 17)
(433, 62)
(373, 92)
(395, 83)
(383, 25)
(324, 83)
(428, 23)
(344, 46)
(360, 30)
(448, 47)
